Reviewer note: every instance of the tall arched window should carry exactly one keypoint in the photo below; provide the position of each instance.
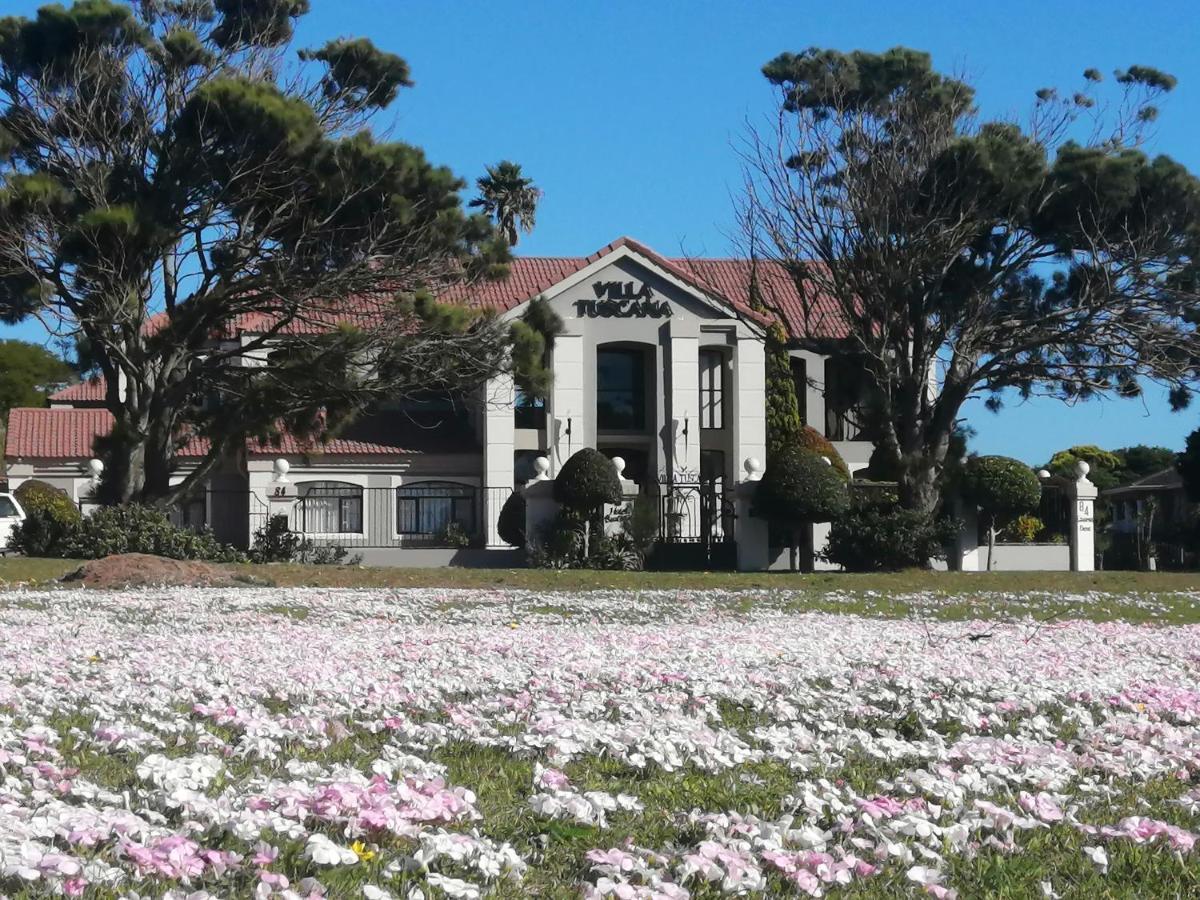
(329, 507)
(429, 507)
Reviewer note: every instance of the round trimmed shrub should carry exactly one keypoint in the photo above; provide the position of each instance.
(811, 439)
(1002, 487)
(587, 480)
(50, 516)
(799, 488)
(510, 524)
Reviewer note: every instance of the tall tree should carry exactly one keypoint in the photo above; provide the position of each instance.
(29, 373)
(969, 258)
(509, 198)
(213, 217)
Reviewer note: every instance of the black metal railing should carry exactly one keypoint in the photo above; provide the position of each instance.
(425, 514)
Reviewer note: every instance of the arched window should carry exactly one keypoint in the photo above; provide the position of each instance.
(430, 507)
(329, 507)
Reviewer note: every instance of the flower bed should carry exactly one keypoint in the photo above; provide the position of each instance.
(429, 743)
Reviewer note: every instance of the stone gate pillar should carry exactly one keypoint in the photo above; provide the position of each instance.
(1083, 520)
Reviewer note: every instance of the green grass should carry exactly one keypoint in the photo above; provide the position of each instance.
(1160, 597)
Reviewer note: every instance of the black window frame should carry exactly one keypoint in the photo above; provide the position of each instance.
(712, 414)
(424, 492)
(346, 495)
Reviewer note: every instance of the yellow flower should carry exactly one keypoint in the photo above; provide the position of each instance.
(95, 657)
(512, 624)
(361, 851)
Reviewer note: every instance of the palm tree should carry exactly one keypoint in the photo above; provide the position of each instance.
(509, 198)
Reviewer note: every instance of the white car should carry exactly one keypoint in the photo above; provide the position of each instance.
(11, 515)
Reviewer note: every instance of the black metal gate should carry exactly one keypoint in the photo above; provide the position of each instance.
(696, 526)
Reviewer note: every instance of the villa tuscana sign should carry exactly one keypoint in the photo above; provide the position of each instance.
(622, 300)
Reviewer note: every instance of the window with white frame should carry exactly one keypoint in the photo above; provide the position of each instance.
(712, 389)
(329, 507)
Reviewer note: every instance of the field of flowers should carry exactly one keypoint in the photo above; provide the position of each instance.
(429, 743)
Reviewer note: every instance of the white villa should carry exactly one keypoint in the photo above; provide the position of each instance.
(661, 363)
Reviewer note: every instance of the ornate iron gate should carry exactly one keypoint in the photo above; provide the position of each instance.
(696, 526)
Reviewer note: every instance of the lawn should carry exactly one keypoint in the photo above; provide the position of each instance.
(430, 742)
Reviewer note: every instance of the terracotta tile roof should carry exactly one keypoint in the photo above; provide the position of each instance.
(727, 279)
(55, 433)
(70, 434)
(66, 433)
(90, 391)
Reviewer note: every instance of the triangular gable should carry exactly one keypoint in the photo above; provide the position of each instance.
(576, 272)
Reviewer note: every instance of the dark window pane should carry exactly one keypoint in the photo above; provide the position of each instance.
(620, 390)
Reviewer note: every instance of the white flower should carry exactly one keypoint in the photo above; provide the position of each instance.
(454, 887)
(325, 852)
(1098, 856)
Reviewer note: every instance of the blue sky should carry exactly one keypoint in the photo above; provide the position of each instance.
(626, 114)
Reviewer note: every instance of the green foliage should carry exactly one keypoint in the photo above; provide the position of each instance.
(532, 338)
(358, 68)
(50, 514)
(879, 535)
(196, 124)
(587, 481)
(138, 529)
(880, 151)
(454, 535)
(808, 438)
(783, 407)
(1003, 488)
(29, 373)
(1024, 529)
(265, 22)
(275, 542)
(1105, 466)
(510, 199)
(1111, 468)
(510, 524)
(799, 488)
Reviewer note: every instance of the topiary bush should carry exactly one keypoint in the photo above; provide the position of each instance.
(799, 488)
(811, 439)
(587, 481)
(1002, 488)
(510, 524)
(141, 529)
(878, 535)
(50, 514)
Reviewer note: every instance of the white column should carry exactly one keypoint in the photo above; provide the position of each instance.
(499, 395)
(1083, 521)
(564, 422)
(683, 429)
(685, 404)
(750, 400)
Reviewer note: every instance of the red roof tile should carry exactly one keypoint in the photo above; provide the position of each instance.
(90, 391)
(66, 433)
(70, 434)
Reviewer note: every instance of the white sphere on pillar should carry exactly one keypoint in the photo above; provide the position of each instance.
(281, 467)
(754, 468)
(1082, 469)
(96, 468)
(541, 468)
(619, 465)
